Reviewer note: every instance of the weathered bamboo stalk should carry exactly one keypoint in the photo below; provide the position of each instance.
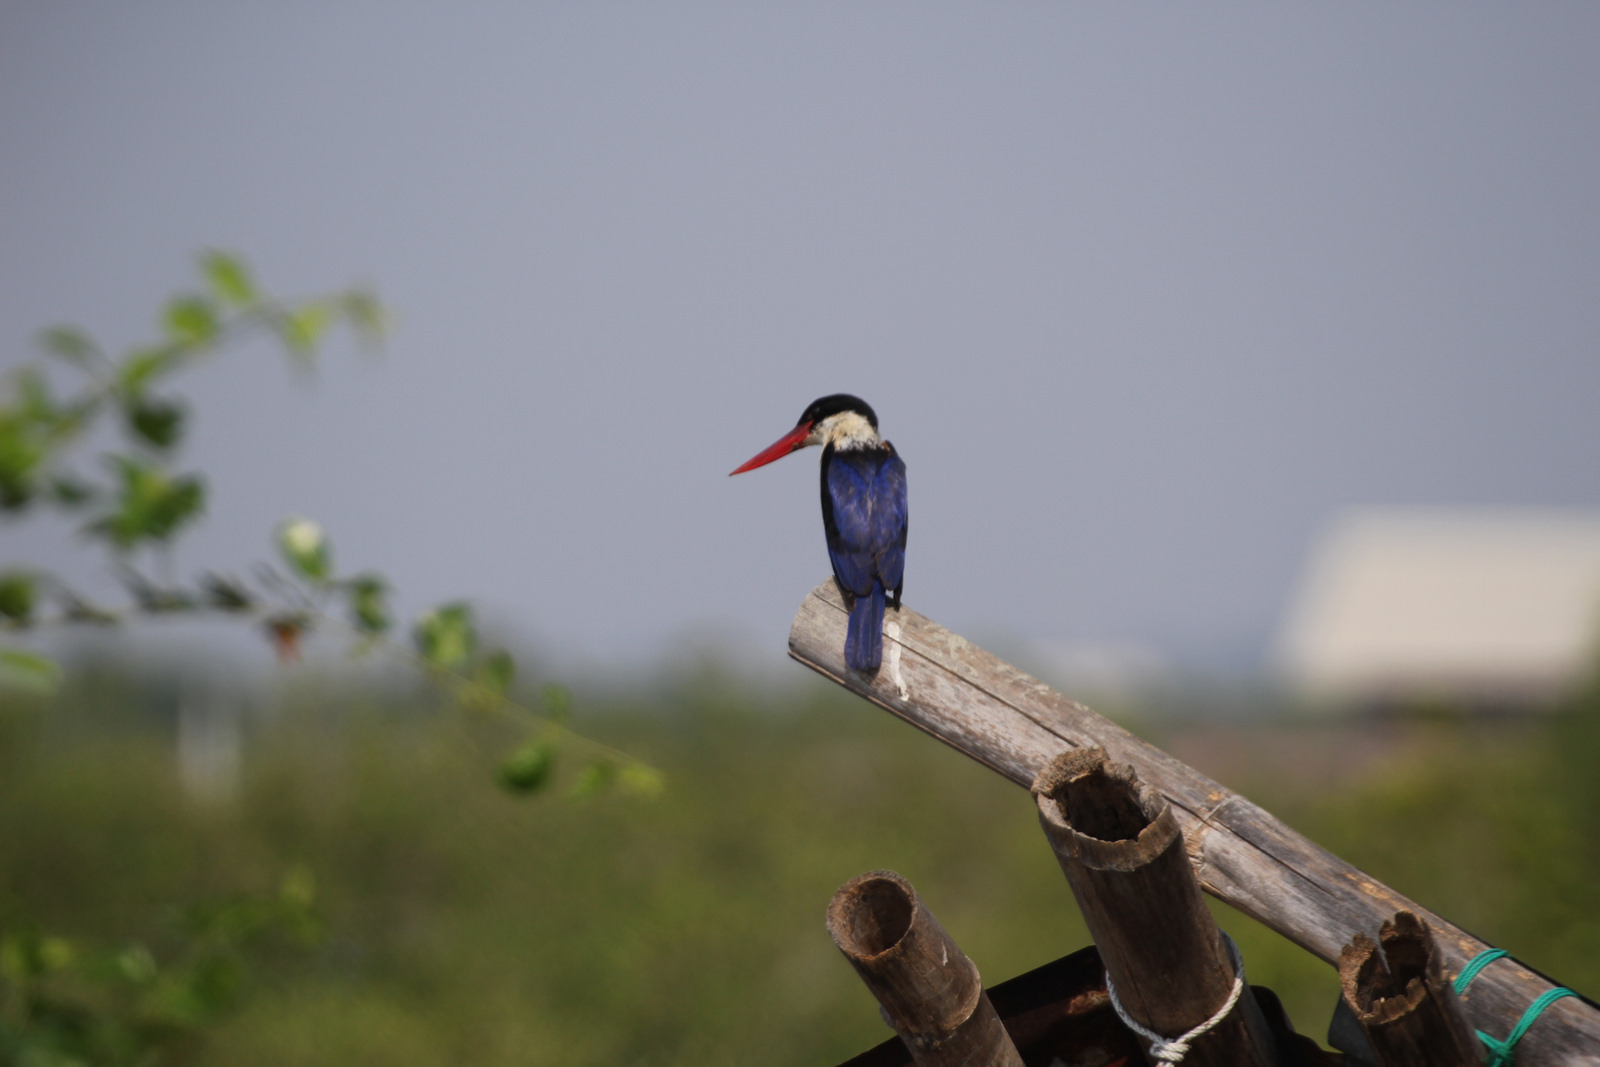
(1119, 846)
(929, 990)
(1241, 854)
(1396, 989)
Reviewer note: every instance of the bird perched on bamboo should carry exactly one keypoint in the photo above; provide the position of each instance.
(863, 513)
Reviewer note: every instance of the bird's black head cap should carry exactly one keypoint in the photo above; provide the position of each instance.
(833, 405)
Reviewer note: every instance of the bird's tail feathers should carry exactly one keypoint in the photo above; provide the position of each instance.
(863, 645)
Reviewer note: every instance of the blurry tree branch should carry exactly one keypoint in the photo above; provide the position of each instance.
(139, 501)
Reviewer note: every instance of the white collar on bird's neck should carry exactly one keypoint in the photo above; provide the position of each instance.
(846, 431)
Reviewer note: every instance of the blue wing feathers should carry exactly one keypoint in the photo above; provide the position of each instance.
(864, 509)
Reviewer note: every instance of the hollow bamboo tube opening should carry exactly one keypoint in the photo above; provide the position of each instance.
(1122, 852)
(930, 992)
(873, 917)
(1397, 992)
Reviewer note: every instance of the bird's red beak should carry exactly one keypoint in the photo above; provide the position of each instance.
(777, 450)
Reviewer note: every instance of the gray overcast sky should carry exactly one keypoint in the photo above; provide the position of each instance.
(1145, 295)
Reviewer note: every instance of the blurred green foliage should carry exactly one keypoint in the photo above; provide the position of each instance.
(148, 502)
(65, 1002)
(79, 394)
(465, 926)
(65, 997)
(143, 502)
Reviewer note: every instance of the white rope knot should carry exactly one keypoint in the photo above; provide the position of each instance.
(1173, 1050)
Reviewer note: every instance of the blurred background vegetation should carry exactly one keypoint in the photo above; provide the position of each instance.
(411, 912)
(333, 865)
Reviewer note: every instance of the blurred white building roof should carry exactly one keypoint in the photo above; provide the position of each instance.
(1478, 604)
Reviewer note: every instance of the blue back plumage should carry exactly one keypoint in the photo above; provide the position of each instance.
(864, 513)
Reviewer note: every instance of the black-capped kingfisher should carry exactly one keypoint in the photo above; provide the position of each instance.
(863, 513)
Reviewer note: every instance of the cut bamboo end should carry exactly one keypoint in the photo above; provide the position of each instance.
(930, 992)
(1396, 989)
(1099, 814)
(1122, 853)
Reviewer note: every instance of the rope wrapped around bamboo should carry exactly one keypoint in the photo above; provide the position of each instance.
(1119, 845)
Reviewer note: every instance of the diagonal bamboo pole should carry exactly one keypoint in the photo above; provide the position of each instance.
(1244, 856)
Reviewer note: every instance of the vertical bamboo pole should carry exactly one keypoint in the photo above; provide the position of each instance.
(1120, 848)
(929, 991)
(1397, 991)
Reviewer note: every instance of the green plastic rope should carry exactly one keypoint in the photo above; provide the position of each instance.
(1476, 964)
(1504, 1053)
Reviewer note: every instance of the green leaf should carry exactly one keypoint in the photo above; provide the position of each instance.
(229, 278)
(528, 769)
(14, 492)
(159, 423)
(145, 366)
(136, 966)
(640, 780)
(156, 599)
(70, 344)
(71, 492)
(76, 609)
(191, 320)
(302, 328)
(29, 671)
(226, 594)
(21, 455)
(306, 549)
(18, 591)
(369, 603)
(445, 635)
(365, 314)
(496, 670)
(184, 500)
(594, 778)
(27, 956)
(151, 504)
